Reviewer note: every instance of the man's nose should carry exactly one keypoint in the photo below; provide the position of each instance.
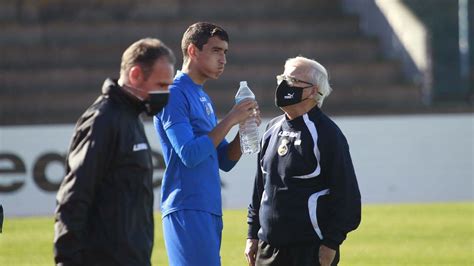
(223, 59)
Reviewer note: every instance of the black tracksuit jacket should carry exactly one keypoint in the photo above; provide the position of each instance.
(104, 212)
(305, 187)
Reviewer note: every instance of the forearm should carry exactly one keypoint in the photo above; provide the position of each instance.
(69, 234)
(220, 131)
(345, 217)
(253, 216)
(252, 231)
(345, 200)
(66, 253)
(233, 151)
(253, 219)
(225, 163)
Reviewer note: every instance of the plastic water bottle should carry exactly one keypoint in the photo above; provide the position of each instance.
(248, 130)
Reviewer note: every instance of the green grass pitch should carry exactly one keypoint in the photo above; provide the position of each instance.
(402, 234)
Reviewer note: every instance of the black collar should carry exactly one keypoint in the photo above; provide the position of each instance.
(114, 90)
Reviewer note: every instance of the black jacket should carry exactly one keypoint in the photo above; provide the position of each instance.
(104, 213)
(305, 188)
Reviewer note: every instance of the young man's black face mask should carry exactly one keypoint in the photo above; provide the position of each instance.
(287, 95)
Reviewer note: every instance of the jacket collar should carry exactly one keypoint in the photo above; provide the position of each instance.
(116, 92)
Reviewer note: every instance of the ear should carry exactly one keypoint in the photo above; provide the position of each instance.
(135, 75)
(192, 50)
(319, 94)
(315, 92)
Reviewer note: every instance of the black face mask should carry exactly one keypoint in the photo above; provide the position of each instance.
(287, 95)
(156, 101)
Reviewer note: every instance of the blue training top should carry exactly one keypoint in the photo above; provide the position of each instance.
(191, 179)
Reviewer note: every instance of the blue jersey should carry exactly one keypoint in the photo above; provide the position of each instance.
(191, 179)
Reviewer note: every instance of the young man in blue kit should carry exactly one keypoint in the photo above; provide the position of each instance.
(194, 149)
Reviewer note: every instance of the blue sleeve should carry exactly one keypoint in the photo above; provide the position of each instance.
(225, 164)
(191, 149)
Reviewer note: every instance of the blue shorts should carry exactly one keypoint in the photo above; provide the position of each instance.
(192, 238)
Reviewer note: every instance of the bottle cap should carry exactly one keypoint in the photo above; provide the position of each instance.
(243, 83)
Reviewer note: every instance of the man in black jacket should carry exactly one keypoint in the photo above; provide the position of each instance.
(104, 213)
(306, 197)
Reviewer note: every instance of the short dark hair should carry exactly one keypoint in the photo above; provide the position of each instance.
(199, 33)
(144, 53)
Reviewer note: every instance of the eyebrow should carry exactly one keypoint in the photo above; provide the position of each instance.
(219, 48)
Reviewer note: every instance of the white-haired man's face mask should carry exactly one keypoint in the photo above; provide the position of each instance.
(290, 90)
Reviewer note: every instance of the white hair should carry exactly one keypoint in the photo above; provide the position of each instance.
(316, 72)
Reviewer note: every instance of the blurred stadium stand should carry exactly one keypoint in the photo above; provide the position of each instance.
(441, 18)
(55, 54)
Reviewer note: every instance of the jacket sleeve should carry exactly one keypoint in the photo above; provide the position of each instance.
(254, 207)
(344, 198)
(87, 162)
(253, 216)
(1, 217)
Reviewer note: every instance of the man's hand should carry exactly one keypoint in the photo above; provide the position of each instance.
(326, 255)
(251, 251)
(243, 110)
(239, 113)
(256, 114)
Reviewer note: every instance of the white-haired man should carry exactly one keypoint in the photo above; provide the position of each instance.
(306, 197)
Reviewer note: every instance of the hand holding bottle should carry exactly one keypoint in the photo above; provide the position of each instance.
(244, 110)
